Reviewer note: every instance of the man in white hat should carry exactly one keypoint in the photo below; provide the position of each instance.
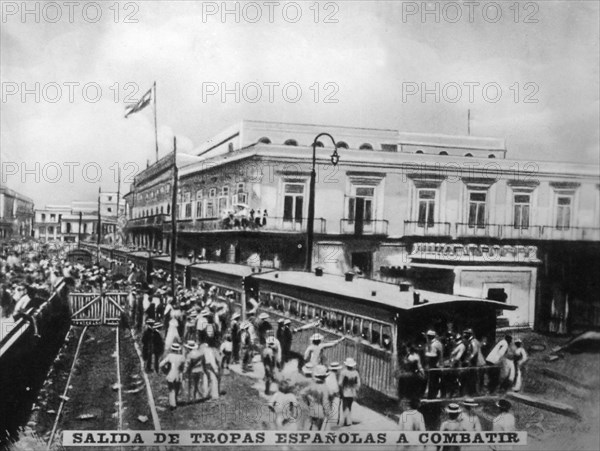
(269, 362)
(452, 424)
(246, 346)
(173, 364)
(349, 383)
(153, 345)
(263, 328)
(469, 418)
(434, 357)
(194, 369)
(318, 399)
(314, 351)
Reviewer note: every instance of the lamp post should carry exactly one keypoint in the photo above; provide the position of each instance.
(335, 158)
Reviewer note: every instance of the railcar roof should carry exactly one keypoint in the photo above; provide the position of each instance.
(229, 268)
(167, 259)
(386, 294)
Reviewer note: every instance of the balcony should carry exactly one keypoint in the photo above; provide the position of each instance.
(464, 229)
(372, 227)
(147, 221)
(416, 228)
(569, 233)
(273, 224)
(510, 232)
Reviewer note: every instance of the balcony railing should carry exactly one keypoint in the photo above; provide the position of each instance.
(269, 224)
(512, 232)
(147, 221)
(417, 228)
(372, 227)
(477, 230)
(569, 233)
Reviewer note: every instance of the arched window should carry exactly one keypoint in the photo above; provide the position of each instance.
(468, 155)
(290, 142)
(264, 140)
(319, 144)
(342, 145)
(443, 152)
(491, 155)
(366, 146)
(419, 151)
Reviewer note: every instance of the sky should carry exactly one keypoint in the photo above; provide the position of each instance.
(528, 71)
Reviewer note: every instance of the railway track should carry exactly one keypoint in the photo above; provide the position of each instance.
(103, 389)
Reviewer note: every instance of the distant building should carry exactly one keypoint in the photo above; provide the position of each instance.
(449, 212)
(66, 223)
(16, 214)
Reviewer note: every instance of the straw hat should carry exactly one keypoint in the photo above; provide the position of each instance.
(453, 408)
(316, 337)
(176, 347)
(191, 344)
(280, 321)
(320, 371)
(286, 322)
(469, 402)
(271, 341)
(307, 369)
(431, 333)
(335, 366)
(263, 316)
(350, 362)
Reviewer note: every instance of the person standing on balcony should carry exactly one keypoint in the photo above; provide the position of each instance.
(264, 217)
(258, 218)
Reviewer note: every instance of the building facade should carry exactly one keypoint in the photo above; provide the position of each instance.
(453, 214)
(16, 214)
(69, 223)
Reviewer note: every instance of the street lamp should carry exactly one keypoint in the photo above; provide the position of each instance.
(335, 158)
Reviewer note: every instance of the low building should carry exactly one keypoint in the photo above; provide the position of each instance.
(16, 214)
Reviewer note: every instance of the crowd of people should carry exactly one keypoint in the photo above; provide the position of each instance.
(461, 364)
(192, 336)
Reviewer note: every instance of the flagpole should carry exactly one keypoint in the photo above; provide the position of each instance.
(155, 123)
(118, 197)
(174, 220)
(469, 122)
(99, 229)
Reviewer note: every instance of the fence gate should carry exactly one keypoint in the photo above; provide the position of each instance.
(97, 308)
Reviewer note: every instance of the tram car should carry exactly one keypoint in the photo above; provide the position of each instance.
(379, 320)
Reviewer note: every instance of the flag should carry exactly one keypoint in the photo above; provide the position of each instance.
(143, 103)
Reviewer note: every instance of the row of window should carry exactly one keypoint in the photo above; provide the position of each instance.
(477, 201)
(369, 331)
(364, 146)
(211, 202)
(152, 194)
(443, 152)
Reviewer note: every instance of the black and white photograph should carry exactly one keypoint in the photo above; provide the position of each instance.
(300, 225)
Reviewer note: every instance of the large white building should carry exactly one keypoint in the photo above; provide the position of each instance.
(452, 213)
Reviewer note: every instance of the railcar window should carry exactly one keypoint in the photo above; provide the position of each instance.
(340, 322)
(386, 334)
(294, 308)
(355, 326)
(310, 313)
(366, 331)
(376, 335)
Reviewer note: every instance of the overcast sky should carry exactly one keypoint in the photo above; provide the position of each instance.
(543, 56)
